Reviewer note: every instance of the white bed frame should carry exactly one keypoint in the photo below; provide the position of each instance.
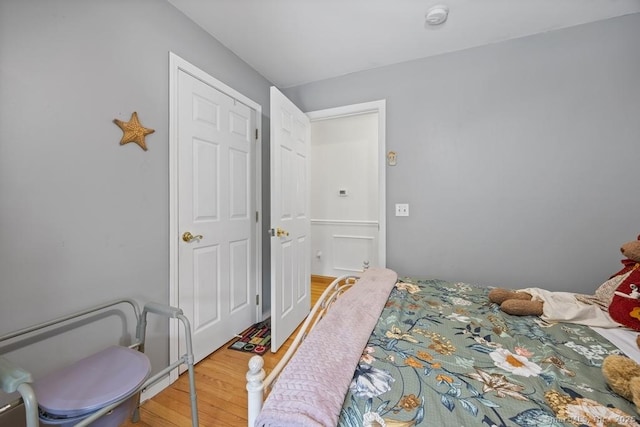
(256, 381)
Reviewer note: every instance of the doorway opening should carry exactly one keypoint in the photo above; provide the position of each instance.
(348, 189)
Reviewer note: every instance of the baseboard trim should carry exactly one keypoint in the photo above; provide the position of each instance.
(154, 389)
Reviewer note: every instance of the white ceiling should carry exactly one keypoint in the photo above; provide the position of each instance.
(291, 42)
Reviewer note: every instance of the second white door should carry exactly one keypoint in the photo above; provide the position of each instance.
(290, 220)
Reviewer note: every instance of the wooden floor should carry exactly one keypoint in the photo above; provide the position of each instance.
(220, 384)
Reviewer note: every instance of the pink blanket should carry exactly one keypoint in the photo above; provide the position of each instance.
(311, 388)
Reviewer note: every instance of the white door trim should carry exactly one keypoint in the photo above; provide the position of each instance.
(175, 65)
(368, 107)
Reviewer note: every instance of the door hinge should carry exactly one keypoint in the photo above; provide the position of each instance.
(257, 216)
(257, 299)
(256, 133)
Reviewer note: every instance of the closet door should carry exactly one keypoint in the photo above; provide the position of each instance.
(216, 213)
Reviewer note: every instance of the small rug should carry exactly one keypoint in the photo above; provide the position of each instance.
(256, 339)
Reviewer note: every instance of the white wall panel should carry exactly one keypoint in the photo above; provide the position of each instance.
(342, 247)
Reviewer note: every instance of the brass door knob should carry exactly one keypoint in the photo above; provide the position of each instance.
(187, 236)
(278, 232)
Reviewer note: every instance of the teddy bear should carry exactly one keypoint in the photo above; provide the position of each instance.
(617, 296)
(623, 376)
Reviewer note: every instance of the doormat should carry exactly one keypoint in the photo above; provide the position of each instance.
(256, 339)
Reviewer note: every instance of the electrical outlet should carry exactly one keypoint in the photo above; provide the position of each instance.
(402, 209)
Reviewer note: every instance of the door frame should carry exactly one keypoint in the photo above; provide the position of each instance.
(177, 64)
(379, 107)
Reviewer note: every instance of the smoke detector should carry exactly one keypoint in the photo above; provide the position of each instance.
(436, 15)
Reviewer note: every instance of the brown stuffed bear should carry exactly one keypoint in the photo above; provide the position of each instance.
(522, 304)
(623, 376)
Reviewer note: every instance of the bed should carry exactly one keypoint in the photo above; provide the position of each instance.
(439, 353)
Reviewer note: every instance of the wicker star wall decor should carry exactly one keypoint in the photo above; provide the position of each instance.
(133, 131)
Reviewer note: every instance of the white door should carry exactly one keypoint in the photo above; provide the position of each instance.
(290, 221)
(216, 187)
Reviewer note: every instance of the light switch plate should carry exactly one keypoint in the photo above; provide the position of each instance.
(402, 209)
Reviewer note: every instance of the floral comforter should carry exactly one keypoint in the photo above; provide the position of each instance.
(442, 355)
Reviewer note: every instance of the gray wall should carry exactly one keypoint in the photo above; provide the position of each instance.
(84, 220)
(518, 159)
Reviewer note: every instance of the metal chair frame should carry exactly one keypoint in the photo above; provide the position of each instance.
(14, 378)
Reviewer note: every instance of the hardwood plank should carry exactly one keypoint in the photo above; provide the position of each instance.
(220, 386)
(322, 279)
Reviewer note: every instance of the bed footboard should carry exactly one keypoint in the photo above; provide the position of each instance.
(257, 380)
